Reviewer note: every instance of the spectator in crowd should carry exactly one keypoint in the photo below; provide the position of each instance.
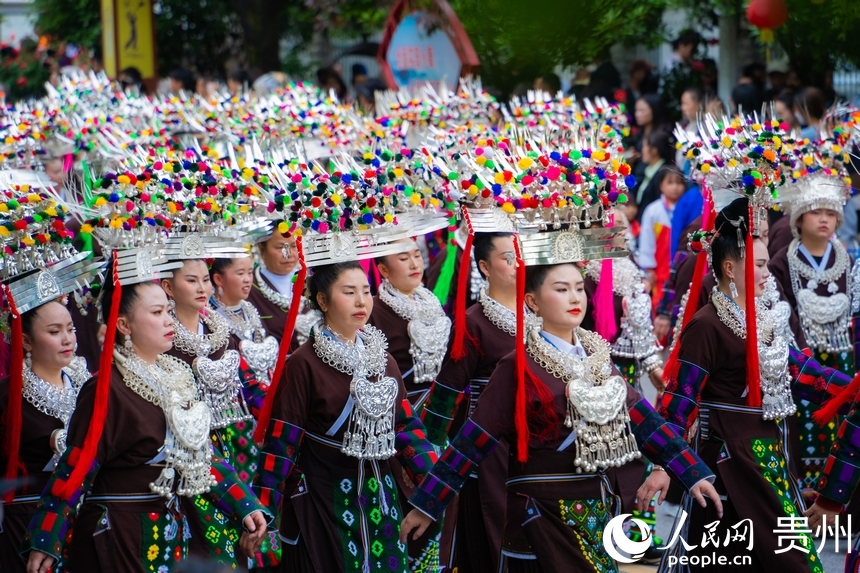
(237, 80)
(714, 105)
(658, 151)
(777, 76)
(641, 81)
(579, 85)
(691, 105)
(809, 108)
(747, 98)
(207, 85)
(359, 75)
(656, 231)
(783, 108)
(329, 79)
(757, 73)
(683, 71)
(549, 83)
(708, 76)
(366, 94)
(648, 116)
(605, 75)
(182, 80)
(131, 79)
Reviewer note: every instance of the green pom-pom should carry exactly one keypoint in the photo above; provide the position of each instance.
(452, 176)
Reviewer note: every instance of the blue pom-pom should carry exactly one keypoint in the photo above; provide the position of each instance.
(497, 189)
(346, 178)
(367, 218)
(555, 155)
(748, 180)
(114, 197)
(630, 181)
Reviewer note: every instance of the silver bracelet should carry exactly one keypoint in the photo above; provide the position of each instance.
(652, 363)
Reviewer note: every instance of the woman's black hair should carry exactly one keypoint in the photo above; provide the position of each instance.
(129, 296)
(219, 267)
(27, 320)
(811, 101)
(728, 242)
(484, 245)
(323, 278)
(663, 144)
(696, 92)
(658, 112)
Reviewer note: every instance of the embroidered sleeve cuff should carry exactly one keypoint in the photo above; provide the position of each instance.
(660, 443)
(270, 498)
(812, 381)
(284, 439)
(233, 496)
(50, 526)
(838, 479)
(469, 448)
(439, 411)
(415, 453)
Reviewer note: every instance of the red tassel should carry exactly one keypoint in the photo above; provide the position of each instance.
(458, 347)
(695, 287)
(97, 422)
(520, 417)
(831, 408)
(753, 372)
(689, 310)
(283, 349)
(13, 419)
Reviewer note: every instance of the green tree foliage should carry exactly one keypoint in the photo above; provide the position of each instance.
(75, 21)
(517, 41)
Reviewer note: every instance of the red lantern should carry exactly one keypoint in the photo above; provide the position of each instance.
(767, 16)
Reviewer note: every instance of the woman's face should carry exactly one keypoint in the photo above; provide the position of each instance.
(149, 323)
(234, 283)
(648, 155)
(643, 113)
(190, 286)
(761, 272)
(279, 254)
(52, 337)
(689, 106)
(500, 267)
(818, 223)
(349, 303)
(404, 270)
(783, 112)
(560, 301)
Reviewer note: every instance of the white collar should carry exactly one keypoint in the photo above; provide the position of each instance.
(566, 347)
(282, 283)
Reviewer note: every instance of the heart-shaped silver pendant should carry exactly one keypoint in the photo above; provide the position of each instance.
(260, 356)
(430, 337)
(191, 425)
(374, 399)
(217, 375)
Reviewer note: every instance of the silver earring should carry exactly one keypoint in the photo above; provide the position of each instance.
(28, 359)
(127, 343)
(733, 289)
(171, 305)
(220, 292)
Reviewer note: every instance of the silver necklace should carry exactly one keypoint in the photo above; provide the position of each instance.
(195, 344)
(258, 350)
(826, 320)
(273, 296)
(498, 314)
(370, 432)
(52, 400)
(596, 401)
(169, 384)
(773, 337)
(244, 322)
(429, 328)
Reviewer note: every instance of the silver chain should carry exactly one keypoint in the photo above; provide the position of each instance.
(371, 356)
(195, 344)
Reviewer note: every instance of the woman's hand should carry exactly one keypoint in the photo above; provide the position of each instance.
(256, 529)
(818, 516)
(705, 489)
(414, 520)
(657, 481)
(39, 562)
